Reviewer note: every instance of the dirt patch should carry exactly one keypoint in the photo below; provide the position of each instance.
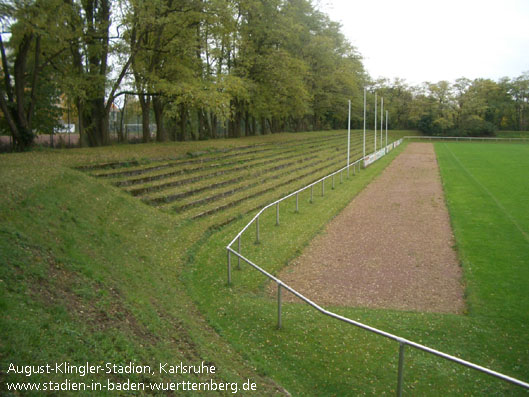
(392, 247)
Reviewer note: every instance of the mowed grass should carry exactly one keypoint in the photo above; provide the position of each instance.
(487, 192)
(316, 355)
(89, 273)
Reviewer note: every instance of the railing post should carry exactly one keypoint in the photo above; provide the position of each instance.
(297, 202)
(257, 230)
(341, 176)
(400, 381)
(323, 187)
(229, 267)
(238, 258)
(277, 214)
(354, 169)
(279, 306)
(311, 193)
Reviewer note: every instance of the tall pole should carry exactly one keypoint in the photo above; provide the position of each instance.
(386, 128)
(381, 121)
(69, 129)
(348, 136)
(364, 122)
(375, 121)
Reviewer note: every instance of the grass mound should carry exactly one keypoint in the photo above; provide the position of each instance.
(90, 274)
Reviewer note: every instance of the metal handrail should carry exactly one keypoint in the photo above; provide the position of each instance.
(402, 341)
(280, 284)
(468, 138)
(357, 162)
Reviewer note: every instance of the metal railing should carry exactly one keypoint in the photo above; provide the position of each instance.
(466, 138)
(280, 285)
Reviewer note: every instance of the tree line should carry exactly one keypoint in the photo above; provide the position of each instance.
(240, 67)
(463, 108)
(209, 68)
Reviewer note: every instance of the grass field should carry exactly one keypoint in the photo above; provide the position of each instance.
(123, 260)
(487, 191)
(343, 360)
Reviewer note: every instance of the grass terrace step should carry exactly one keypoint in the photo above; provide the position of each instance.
(243, 177)
(112, 165)
(249, 178)
(157, 164)
(231, 211)
(245, 186)
(262, 189)
(225, 173)
(163, 175)
(240, 186)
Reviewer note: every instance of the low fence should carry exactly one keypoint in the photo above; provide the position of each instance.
(466, 138)
(356, 166)
(380, 153)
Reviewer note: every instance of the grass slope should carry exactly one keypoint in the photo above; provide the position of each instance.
(90, 273)
(315, 355)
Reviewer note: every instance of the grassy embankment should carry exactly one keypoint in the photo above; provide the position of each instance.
(76, 286)
(90, 273)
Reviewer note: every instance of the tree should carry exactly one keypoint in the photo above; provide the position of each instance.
(25, 96)
(519, 91)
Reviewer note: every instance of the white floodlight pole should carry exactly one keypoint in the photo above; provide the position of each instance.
(386, 128)
(348, 137)
(381, 121)
(375, 121)
(365, 121)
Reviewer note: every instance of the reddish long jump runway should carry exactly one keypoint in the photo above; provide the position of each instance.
(392, 246)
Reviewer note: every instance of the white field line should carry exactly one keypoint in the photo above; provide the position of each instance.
(487, 191)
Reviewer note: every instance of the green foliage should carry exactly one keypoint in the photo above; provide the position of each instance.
(222, 67)
(473, 125)
(468, 108)
(204, 66)
(29, 91)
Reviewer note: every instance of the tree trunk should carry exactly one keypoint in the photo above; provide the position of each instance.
(183, 121)
(275, 125)
(157, 105)
(95, 122)
(247, 126)
(202, 135)
(120, 128)
(214, 124)
(18, 112)
(145, 103)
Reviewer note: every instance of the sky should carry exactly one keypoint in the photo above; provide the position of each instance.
(436, 40)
